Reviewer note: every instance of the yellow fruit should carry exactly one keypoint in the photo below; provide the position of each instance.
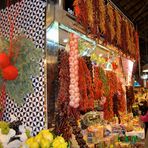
(56, 144)
(30, 141)
(44, 143)
(34, 145)
(47, 135)
(61, 139)
(64, 145)
(38, 138)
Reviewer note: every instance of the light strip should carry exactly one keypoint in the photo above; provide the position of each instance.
(84, 37)
(77, 33)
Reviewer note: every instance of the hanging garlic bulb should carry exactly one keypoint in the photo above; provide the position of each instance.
(73, 64)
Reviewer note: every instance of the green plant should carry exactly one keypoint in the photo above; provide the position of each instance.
(26, 57)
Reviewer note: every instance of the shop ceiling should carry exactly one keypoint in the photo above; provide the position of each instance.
(135, 10)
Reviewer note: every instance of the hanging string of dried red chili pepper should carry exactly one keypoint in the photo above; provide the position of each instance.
(97, 83)
(81, 13)
(111, 18)
(85, 86)
(107, 25)
(97, 19)
(102, 16)
(123, 34)
(62, 125)
(136, 40)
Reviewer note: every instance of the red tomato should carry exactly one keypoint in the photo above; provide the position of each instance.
(4, 60)
(10, 73)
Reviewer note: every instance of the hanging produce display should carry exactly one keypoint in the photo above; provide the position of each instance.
(85, 87)
(103, 20)
(118, 29)
(97, 83)
(111, 22)
(102, 16)
(130, 97)
(136, 40)
(124, 37)
(73, 69)
(81, 13)
(91, 19)
(116, 91)
(104, 79)
(62, 123)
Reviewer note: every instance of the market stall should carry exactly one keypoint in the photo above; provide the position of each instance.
(88, 67)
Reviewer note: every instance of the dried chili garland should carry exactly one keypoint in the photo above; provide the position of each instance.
(80, 8)
(97, 83)
(82, 87)
(97, 18)
(121, 97)
(118, 28)
(62, 124)
(91, 16)
(115, 89)
(136, 40)
(110, 13)
(103, 78)
(128, 40)
(86, 87)
(102, 16)
(123, 39)
(133, 53)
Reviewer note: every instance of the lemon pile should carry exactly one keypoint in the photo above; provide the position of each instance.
(45, 139)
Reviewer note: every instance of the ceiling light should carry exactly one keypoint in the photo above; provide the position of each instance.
(145, 70)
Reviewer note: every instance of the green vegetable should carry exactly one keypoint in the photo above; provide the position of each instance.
(4, 126)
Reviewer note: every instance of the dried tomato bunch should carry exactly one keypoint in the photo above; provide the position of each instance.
(62, 124)
(77, 132)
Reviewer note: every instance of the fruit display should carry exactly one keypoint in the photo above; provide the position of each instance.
(45, 139)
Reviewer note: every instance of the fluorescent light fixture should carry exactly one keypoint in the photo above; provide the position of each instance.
(78, 34)
(145, 70)
(53, 33)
